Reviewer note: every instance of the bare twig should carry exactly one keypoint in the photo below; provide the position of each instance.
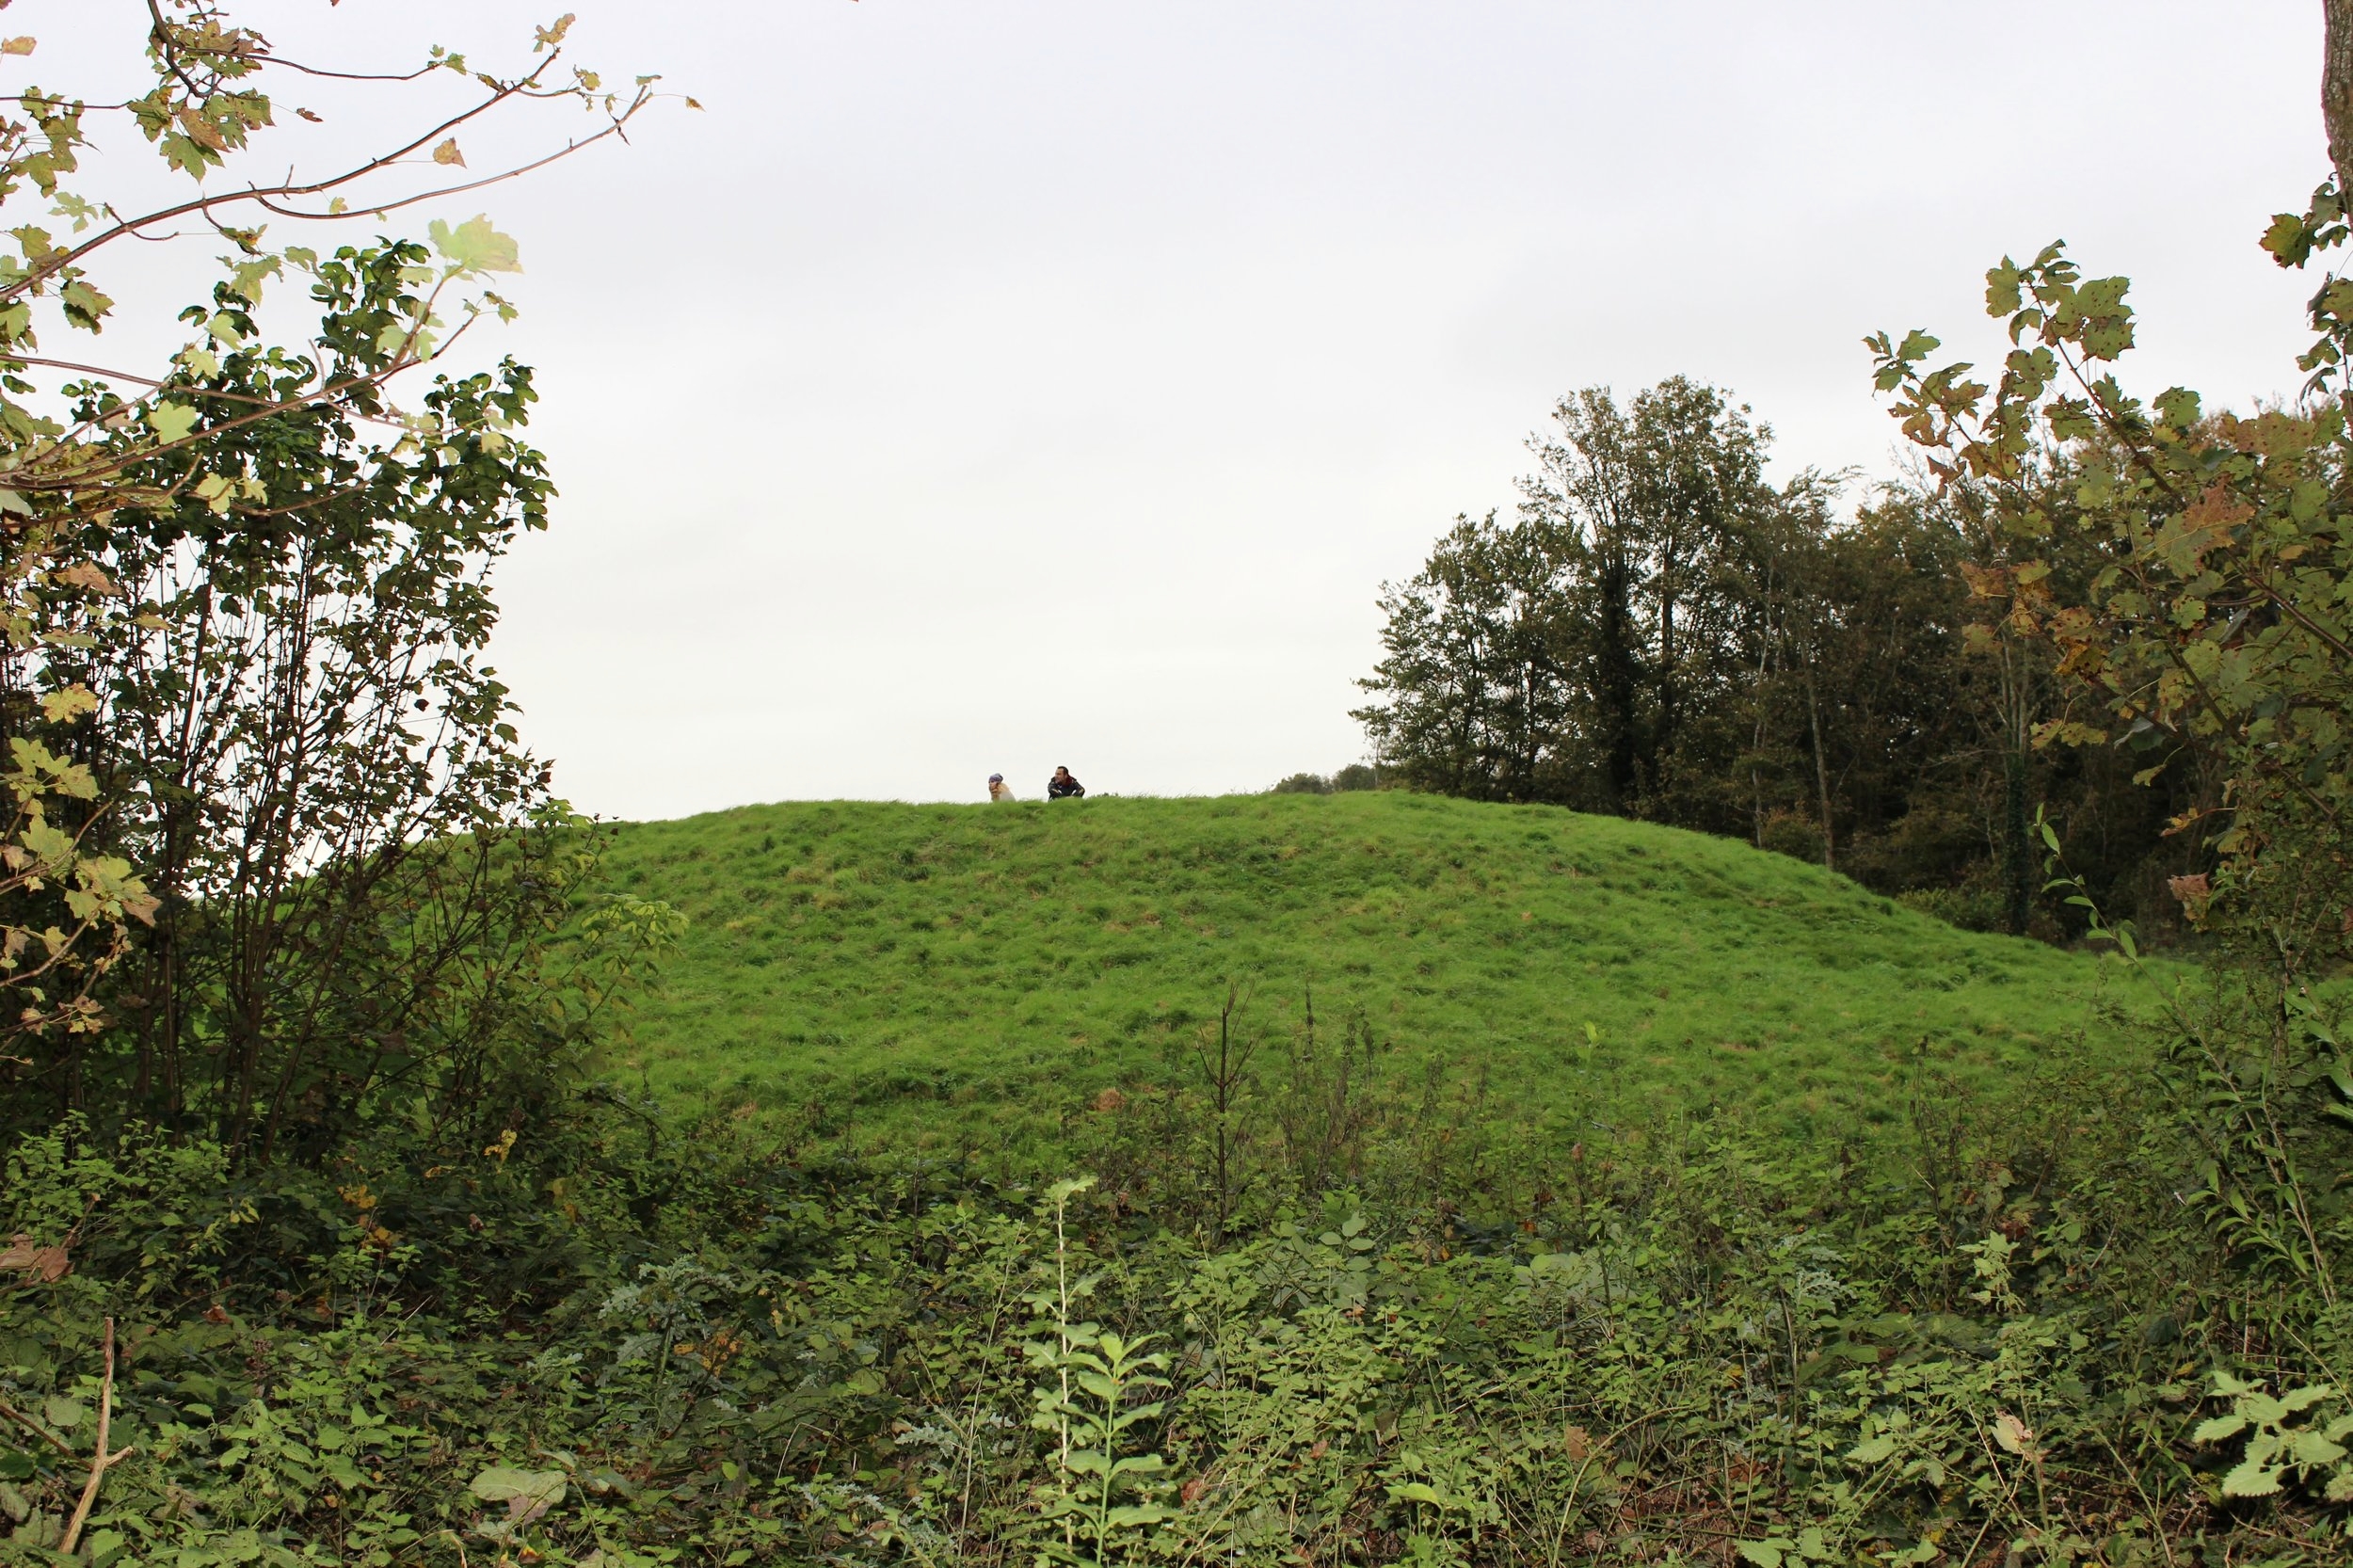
(522, 86)
(101, 1460)
(26, 1421)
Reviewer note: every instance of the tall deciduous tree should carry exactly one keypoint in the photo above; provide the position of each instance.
(1474, 691)
(1658, 632)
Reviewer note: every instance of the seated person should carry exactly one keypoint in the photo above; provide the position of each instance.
(997, 788)
(1062, 787)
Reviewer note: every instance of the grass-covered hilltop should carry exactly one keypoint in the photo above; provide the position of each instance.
(966, 975)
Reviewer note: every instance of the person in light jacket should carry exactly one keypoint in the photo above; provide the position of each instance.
(997, 788)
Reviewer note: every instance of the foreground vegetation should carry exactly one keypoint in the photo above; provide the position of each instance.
(963, 978)
(612, 1342)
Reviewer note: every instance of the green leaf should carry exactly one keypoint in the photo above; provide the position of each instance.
(2250, 1480)
(2002, 291)
(2263, 1409)
(502, 1484)
(2217, 1429)
(2287, 239)
(1872, 1450)
(2304, 1398)
(1765, 1554)
(2311, 1447)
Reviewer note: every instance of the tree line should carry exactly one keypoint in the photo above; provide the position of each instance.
(1657, 630)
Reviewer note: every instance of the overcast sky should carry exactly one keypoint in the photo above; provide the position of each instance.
(981, 385)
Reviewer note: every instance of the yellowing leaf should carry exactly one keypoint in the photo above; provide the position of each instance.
(16, 46)
(70, 702)
(447, 153)
(51, 849)
(474, 245)
(171, 421)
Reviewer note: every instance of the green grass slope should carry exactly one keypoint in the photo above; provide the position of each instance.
(962, 975)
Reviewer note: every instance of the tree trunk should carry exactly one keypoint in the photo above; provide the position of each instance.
(1617, 680)
(2336, 88)
(2017, 845)
(1756, 738)
(1821, 766)
(1670, 714)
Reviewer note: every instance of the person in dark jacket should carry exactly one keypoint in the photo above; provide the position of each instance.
(1062, 787)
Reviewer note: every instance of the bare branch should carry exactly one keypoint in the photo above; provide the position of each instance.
(421, 71)
(27, 1422)
(101, 1460)
(60, 260)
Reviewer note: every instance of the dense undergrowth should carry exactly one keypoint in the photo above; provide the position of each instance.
(1293, 1318)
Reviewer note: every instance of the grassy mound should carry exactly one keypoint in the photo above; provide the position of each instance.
(966, 975)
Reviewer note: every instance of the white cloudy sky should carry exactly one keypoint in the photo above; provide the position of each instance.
(988, 384)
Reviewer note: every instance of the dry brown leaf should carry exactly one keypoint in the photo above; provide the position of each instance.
(50, 1263)
(86, 574)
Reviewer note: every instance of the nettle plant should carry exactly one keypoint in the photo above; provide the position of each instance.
(2294, 1438)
